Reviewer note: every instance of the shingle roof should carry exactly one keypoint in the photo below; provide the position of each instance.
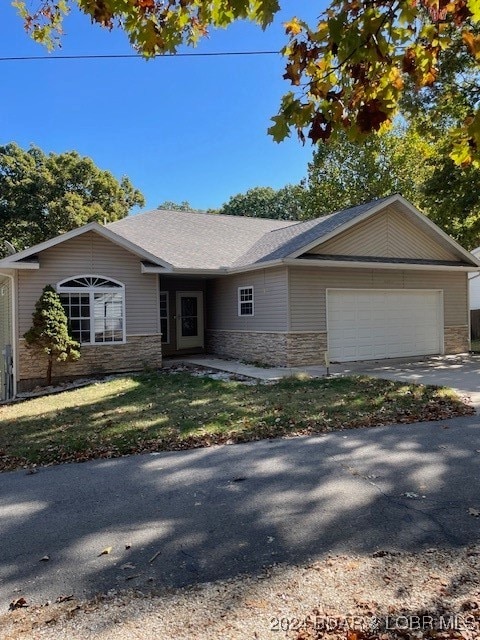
(283, 242)
(194, 240)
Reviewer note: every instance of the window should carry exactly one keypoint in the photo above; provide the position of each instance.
(164, 322)
(95, 308)
(245, 301)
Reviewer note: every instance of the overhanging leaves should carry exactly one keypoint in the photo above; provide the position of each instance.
(348, 71)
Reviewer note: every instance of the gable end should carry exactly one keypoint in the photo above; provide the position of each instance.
(389, 233)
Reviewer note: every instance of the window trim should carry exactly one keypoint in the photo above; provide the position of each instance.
(167, 317)
(60, 288)
(240, 301)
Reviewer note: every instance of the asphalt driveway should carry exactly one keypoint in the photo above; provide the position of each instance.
(459, 372)
(178, 518)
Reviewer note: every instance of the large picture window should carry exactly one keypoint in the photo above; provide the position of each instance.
(95, 307)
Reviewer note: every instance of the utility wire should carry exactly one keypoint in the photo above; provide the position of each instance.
(110, 56)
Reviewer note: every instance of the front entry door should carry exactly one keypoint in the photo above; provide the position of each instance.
(189, 319)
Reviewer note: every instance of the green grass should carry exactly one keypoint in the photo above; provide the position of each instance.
(165, 411)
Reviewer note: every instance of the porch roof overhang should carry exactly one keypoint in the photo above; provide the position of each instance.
(149, 267)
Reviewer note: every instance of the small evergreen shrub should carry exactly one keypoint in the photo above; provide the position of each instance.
(49, 331)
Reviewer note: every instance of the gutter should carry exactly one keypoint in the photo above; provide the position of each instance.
(402, 266)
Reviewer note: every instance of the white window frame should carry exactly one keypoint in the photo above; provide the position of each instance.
(240, 301)
(60, 288)
(165, 339)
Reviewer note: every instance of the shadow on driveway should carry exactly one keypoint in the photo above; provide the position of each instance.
(189, 517)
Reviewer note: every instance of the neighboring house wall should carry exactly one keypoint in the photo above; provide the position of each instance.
(6, 337)
(474, 285)
(92, 254)
(261, 337)
(387, 234)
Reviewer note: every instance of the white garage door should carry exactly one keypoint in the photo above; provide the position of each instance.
(370, 324)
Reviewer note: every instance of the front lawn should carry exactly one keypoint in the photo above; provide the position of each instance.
(169, 411)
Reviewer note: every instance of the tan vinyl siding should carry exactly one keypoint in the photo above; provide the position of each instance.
(270, 295)
(92, 254)
(308, 286)
(388, 234)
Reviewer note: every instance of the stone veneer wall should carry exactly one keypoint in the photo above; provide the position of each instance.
(296, 349)
(252, 346)
(457, 339)
(139, 352)
(278, 349)
(306, 348)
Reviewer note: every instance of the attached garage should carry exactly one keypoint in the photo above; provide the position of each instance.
(366, 324)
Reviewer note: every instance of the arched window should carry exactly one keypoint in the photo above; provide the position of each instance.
(95, 307)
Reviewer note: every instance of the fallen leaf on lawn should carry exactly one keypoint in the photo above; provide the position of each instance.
(64, 598)
(128, 565)
(105, 552)
(45, 559)
(17, 604)
(474, 512)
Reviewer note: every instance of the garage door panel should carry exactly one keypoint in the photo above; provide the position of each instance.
(373, 323)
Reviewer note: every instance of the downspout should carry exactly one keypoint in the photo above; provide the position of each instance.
(14, 330)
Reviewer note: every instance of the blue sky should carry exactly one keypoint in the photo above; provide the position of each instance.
(181, 128)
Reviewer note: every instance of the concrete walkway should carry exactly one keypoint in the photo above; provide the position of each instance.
(268, 374)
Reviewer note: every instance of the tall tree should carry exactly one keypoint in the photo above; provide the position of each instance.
(286, 203)
(169, 205)
(43, 195)
(348, 71)
(344, 173)
(451, 198)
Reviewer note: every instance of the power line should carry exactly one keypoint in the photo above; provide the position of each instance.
(114, 56)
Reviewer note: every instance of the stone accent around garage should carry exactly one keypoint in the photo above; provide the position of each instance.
(277, 349)
(305, 349)
(139, 352)
(457, 340)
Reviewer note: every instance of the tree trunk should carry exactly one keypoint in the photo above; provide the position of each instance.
(49, 370)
